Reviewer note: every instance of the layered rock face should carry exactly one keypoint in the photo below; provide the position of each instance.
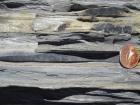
(66, 26)
(71, 45)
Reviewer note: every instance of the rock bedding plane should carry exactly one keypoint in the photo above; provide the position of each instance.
(57, 45)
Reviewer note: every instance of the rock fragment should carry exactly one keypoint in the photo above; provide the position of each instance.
(106, 12)
(111, 28)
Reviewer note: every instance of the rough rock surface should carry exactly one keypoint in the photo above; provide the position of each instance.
(59, 52)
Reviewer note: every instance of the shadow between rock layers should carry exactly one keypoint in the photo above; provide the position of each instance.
(67, 31)
(14, 95)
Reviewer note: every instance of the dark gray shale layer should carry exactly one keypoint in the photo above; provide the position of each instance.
(61, 57)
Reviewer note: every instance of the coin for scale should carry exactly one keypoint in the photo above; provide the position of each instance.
(129, 56)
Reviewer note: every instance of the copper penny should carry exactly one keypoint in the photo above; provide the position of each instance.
(129, 57)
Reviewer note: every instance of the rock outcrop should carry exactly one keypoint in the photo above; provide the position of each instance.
(68, 44)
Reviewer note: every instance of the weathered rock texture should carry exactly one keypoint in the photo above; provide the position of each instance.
(69, 49)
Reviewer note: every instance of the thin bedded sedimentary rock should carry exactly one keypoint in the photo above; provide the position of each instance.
(61, 75)
(25, 21)
(17, 42)
(70, 50)
(16, 22)
(61, 40)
